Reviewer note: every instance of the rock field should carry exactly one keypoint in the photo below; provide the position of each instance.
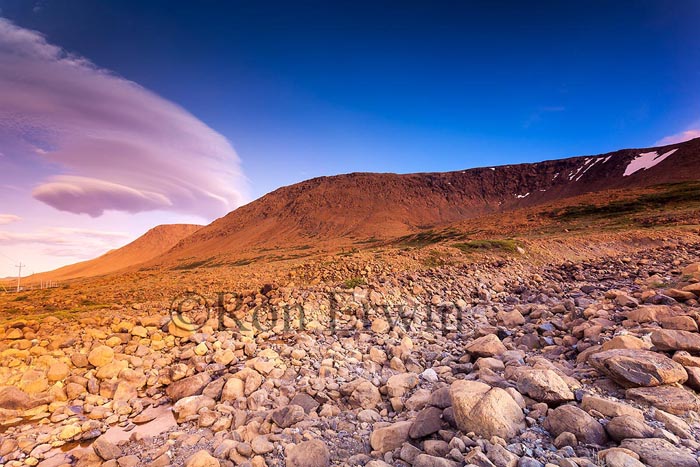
(496, 363)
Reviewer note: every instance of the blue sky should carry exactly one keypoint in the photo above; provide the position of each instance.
(303, 89)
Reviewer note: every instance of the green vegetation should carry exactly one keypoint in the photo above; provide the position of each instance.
(20, 298)
(667, 196)
(430, 237)
(507, 245)
(354, 282)
(192, 265)
(435, 259)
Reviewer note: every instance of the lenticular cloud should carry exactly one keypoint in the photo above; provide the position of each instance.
(106, 143)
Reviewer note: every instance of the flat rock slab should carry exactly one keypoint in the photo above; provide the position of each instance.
(635, 367)
(669, 339)
(656, 452)
(669, 398)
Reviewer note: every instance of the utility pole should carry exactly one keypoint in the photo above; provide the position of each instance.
(19, 274)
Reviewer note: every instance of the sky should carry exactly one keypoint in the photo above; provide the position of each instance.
(116, 116)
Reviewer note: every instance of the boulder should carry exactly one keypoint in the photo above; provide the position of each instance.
(486, 346)
(106, 449)
(427, 422)
(626, 426)
(424, 460)
(669, 339)
(574, 420)
(390, 437)
(657, 452)
(190, 386)
(191, 405)
(202, 459)
(609, 408)
(619, 458)
(673, 399)
(101, 356)
(313, 453)
(633, 368)
(366, 395)
(287, 416)
(485, 410)
(544, 386)
(398, 385)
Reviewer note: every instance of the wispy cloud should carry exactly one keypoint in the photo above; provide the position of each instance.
(9, 219)
(107, 143)
(62, 241)
(679, 137)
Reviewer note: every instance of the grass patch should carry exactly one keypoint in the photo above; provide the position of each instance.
(435, 259)
(510, 246)
(20, 298)
(192, 265)
(354, 282)
(669, 195)
(429, 237)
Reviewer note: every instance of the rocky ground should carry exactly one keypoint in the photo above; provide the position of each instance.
(497, 363)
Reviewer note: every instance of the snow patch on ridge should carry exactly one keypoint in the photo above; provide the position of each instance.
(646, 160)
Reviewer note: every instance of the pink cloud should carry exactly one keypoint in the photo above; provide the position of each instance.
(62, 241)
(93, 197)
(9, 219)
(106, 143)
(679, 137)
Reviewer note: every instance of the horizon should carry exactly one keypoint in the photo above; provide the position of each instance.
(115, 118)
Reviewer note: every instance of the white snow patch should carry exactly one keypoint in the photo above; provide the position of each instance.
(588, 168)
(492, 168)
(555, 176)
(607, 159)
(522, 196)
(646, 160)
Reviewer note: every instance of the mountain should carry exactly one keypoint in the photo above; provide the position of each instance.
(379, 206)
(153, 243)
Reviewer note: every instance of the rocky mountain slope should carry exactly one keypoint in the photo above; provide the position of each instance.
(153, 243)
(369, 205)
(496, 363)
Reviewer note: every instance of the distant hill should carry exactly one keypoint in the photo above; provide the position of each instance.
(153, 243)
(379, 206)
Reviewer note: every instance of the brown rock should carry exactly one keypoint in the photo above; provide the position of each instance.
(12, 398)
(312, 453)
(427, 422)
(625, 342)
(574, 420)
(190, 386)
(656, 452)
(668, 339)
(610, 408)
(618, 458)
(101, 356)
(486, 346)
(672, 399)
(390, 437)
(544, 386)
(485, 410)
(365, 395)
(106, 449)
(400, 384)
(202, 459)
(630, 368)
(626, 426)
(287, 416)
